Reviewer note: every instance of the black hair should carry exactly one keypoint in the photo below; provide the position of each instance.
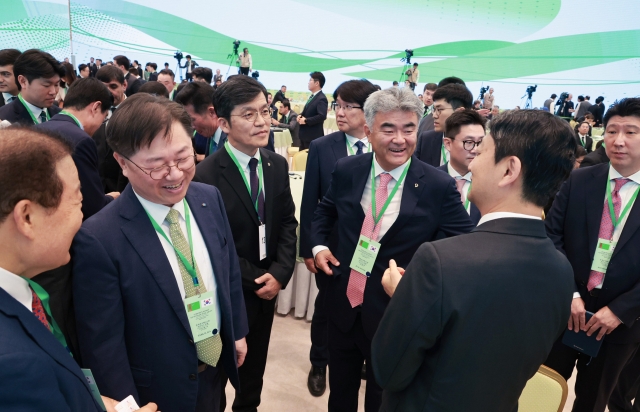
(581, 98)
(431, 87)
(553, 96)
(286, 103)
(154, 88)
(35, 64)
(235, 91)
(203, 73)
(107, 74)
(462, 118)
(167, 72)
(121, 60)
(9, 56)
(456, 95)
(451, 80)
(599, 99)
(84, 92)
(188, 56)
(319, 77)
(629, 106)
(82, 67)
(197, 94)
(355, 91)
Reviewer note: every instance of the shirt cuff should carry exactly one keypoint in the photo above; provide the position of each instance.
(576, 295)
(318, 249)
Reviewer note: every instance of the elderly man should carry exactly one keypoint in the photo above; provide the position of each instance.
(385, 206)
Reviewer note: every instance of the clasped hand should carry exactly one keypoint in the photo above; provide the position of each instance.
(271, 287)
(604, 319)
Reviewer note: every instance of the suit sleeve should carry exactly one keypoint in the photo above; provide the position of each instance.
(626, 307)
(454, 219)
(85, 157)
(325, 215)
(100, 317)
(293, 123)
(401, 342)
(321, 107)
(310, 197)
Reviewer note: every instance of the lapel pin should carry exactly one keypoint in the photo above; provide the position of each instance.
(268, 164)
(204, 205)
(416, 185)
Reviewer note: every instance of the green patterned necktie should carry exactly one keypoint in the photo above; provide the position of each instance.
(210, 348)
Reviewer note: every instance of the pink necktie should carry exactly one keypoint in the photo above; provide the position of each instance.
(38, 310)
(357, 280)
(606, 226)
(459, 185)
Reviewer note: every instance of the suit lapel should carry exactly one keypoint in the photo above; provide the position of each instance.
(361, 173)
(594, 195)
(630, 227)
(231, 173)
(436, 151)
(269, 182)
(339, 146)
(22, 112)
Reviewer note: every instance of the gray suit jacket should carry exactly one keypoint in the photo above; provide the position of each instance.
(293, 126)
(426, 124)
(583, 109)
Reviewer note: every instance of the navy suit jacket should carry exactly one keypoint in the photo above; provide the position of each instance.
(429, 148)
(315, 113)
(474, 212)
(85, 156)
(573, 224)
(132, 325)
(16, 112)
(430, 203)
(36, 371)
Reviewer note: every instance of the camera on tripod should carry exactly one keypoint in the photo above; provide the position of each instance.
(178, 56)
(531, 90)
(408, 54)
(483, 90)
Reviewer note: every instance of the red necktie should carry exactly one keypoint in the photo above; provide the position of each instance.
(38, 310)
(459, 185)
(606, 226)
(357, 280)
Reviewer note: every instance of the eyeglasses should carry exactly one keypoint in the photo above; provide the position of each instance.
(469, 145)
(438, 110)
(163, 171)
(252, 116)
(347, 108)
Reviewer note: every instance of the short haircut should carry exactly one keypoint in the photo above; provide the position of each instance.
(286, 103)
(28, 161)
(140, 119)
(107, 74)
(167, 72)
(197, 94)
(82, 67)
(451, 80)
(581, 98)
(319, 77)
(456, 95)
(553, 96)
(415, 64)
(430, 86)
(154, 88)
(589, 116)
(203, 73)
(155, 66)
(121, 60)
(235, 91)
(355, 91)
(69, 74)
(454, 123)
(545, 145)
(626, 107)
(599, 99)
(136, 62)
(392, 99)
(84, 92)
(35, 64)
(580, 151)
(188, 56)
(133, 71)
(395, 82)
(9, 56)
(269, 94)
(587, 97)
(283, 86)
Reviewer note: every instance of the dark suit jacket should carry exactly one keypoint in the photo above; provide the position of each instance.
(153, 77)
(429, 148)
(1, 100)
(85, 156)
(220, 171)
(596, 157)
(132, 324)
(133, 85)
(588, 142)
(16, 112)
(278, 97)
(36, 372)
(294, 128)
(466, 333)
(598, 112)
(430, 203)
(110, 171)
(315, 113)
(474, 212)
(573, 224)
(93, 69)
(426, 124)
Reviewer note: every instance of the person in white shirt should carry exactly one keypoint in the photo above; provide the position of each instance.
(245, 62)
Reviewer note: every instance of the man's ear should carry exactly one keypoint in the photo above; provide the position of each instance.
(513, 171)
(447, 143)
(122, 162)
(224, 125)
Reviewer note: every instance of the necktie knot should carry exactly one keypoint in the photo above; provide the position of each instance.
(385, 178)
(173, 217)
(359, 145)
(619, 182)
(43, 116)
(253, 164)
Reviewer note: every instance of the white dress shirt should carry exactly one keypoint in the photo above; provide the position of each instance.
(446, 157)
(351, 142)
(583, 140)
(37, 111)
(17, 287)
(465, 189)
(217, 134)
(391, 214)
(200, 252)
(501, 215)
(243, 160)
(7, 97)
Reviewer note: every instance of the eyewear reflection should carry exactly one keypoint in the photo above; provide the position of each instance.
(469, 145)
(438, 110)
(163, 171)
(253, 115)
(347, 108)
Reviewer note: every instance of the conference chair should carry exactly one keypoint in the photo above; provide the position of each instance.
(299, 163)
(546, 391)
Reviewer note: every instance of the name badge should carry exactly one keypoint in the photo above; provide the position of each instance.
(602, 257)
(365, 255)
(262, 238)
(88, 375)
(201, 312)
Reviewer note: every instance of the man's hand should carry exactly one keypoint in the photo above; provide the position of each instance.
(199, 158)
(323, 258)
(391, 278)
(271, 287)
(274, 122)
(577, 320)
(302, 120)
(605, 320)
(114, 195)
(311, 265)
(241, 351)
(484, 112)
(110, 404)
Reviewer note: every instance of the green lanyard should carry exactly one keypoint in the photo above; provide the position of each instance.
(244, 178)
(351, 152)
(33, 117)
(626, 208)
(444, 153)
(44, 298)
(191, 269)
(377, 218)
(75, 119)
(466, 202)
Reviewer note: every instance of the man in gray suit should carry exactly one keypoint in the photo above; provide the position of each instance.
(289, 121)
(426, 123)
(583, 107)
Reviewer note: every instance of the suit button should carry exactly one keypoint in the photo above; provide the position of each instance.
(193, 377)
(191, 341)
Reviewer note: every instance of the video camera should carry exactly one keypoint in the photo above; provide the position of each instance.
(483, 90)
(559, 105)
(178, 55)
(408, 54)
(531, 90)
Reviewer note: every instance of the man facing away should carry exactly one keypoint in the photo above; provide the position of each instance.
(314, 113)
(475, 315)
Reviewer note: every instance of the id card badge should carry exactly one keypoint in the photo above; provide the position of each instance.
(604, 251)
(262, 238)
(127, 405)
(201, 312)
(88, 375)
(365, 255)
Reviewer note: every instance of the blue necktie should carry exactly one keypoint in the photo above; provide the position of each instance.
(213, 146)
(360, 146)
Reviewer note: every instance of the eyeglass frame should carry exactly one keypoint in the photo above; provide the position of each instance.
(347, 108)
(256, 114)
(437, 111)
(164, 165)
(475, 144)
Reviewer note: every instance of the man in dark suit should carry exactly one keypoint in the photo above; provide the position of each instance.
(133, 83)
(426, 123)
(596, 157)
(254, 185)
(289, 121)
(280, 95)
(446, 100)
(190, 65)
(324, 152)
(166, 77)
(41, 214)
(583, 136)
(598, 110)
(93, 69)
(433, 350)
(8, 86)
(159, 252)
(406, 215)
(596, 206)
(314, 114)
(34, 104)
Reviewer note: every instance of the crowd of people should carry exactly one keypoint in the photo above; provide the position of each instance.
(150, 226)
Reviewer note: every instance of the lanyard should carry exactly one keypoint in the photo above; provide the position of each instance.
(466, 202)
(75, 119)
(244, 178)
(191, 269)
(33, 117)
(444, 153)
(44, 298)
(617, 221)
(377, 218)
(351, 152)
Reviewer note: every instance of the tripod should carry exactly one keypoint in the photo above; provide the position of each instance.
(231, 56)
(179, 70)
(403, 76)
(528, 104)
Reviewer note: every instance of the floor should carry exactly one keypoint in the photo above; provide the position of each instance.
(285, 380)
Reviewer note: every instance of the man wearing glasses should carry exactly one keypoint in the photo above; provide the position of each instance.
(157, 285)
(254, 185)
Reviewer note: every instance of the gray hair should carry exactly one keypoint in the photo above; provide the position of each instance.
(392, 99)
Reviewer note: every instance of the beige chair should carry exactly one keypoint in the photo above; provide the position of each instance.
(546, 391)
(300, 161)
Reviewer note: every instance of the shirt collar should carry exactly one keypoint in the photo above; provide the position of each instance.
(501, 215)
(314, 94)
(34, 109)
(216, 135)
(7, 96)
(17, 287)
(157, 211)
(613, 174)
(352, 140)
(242, 158)
(395, 173)
(453, 173)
